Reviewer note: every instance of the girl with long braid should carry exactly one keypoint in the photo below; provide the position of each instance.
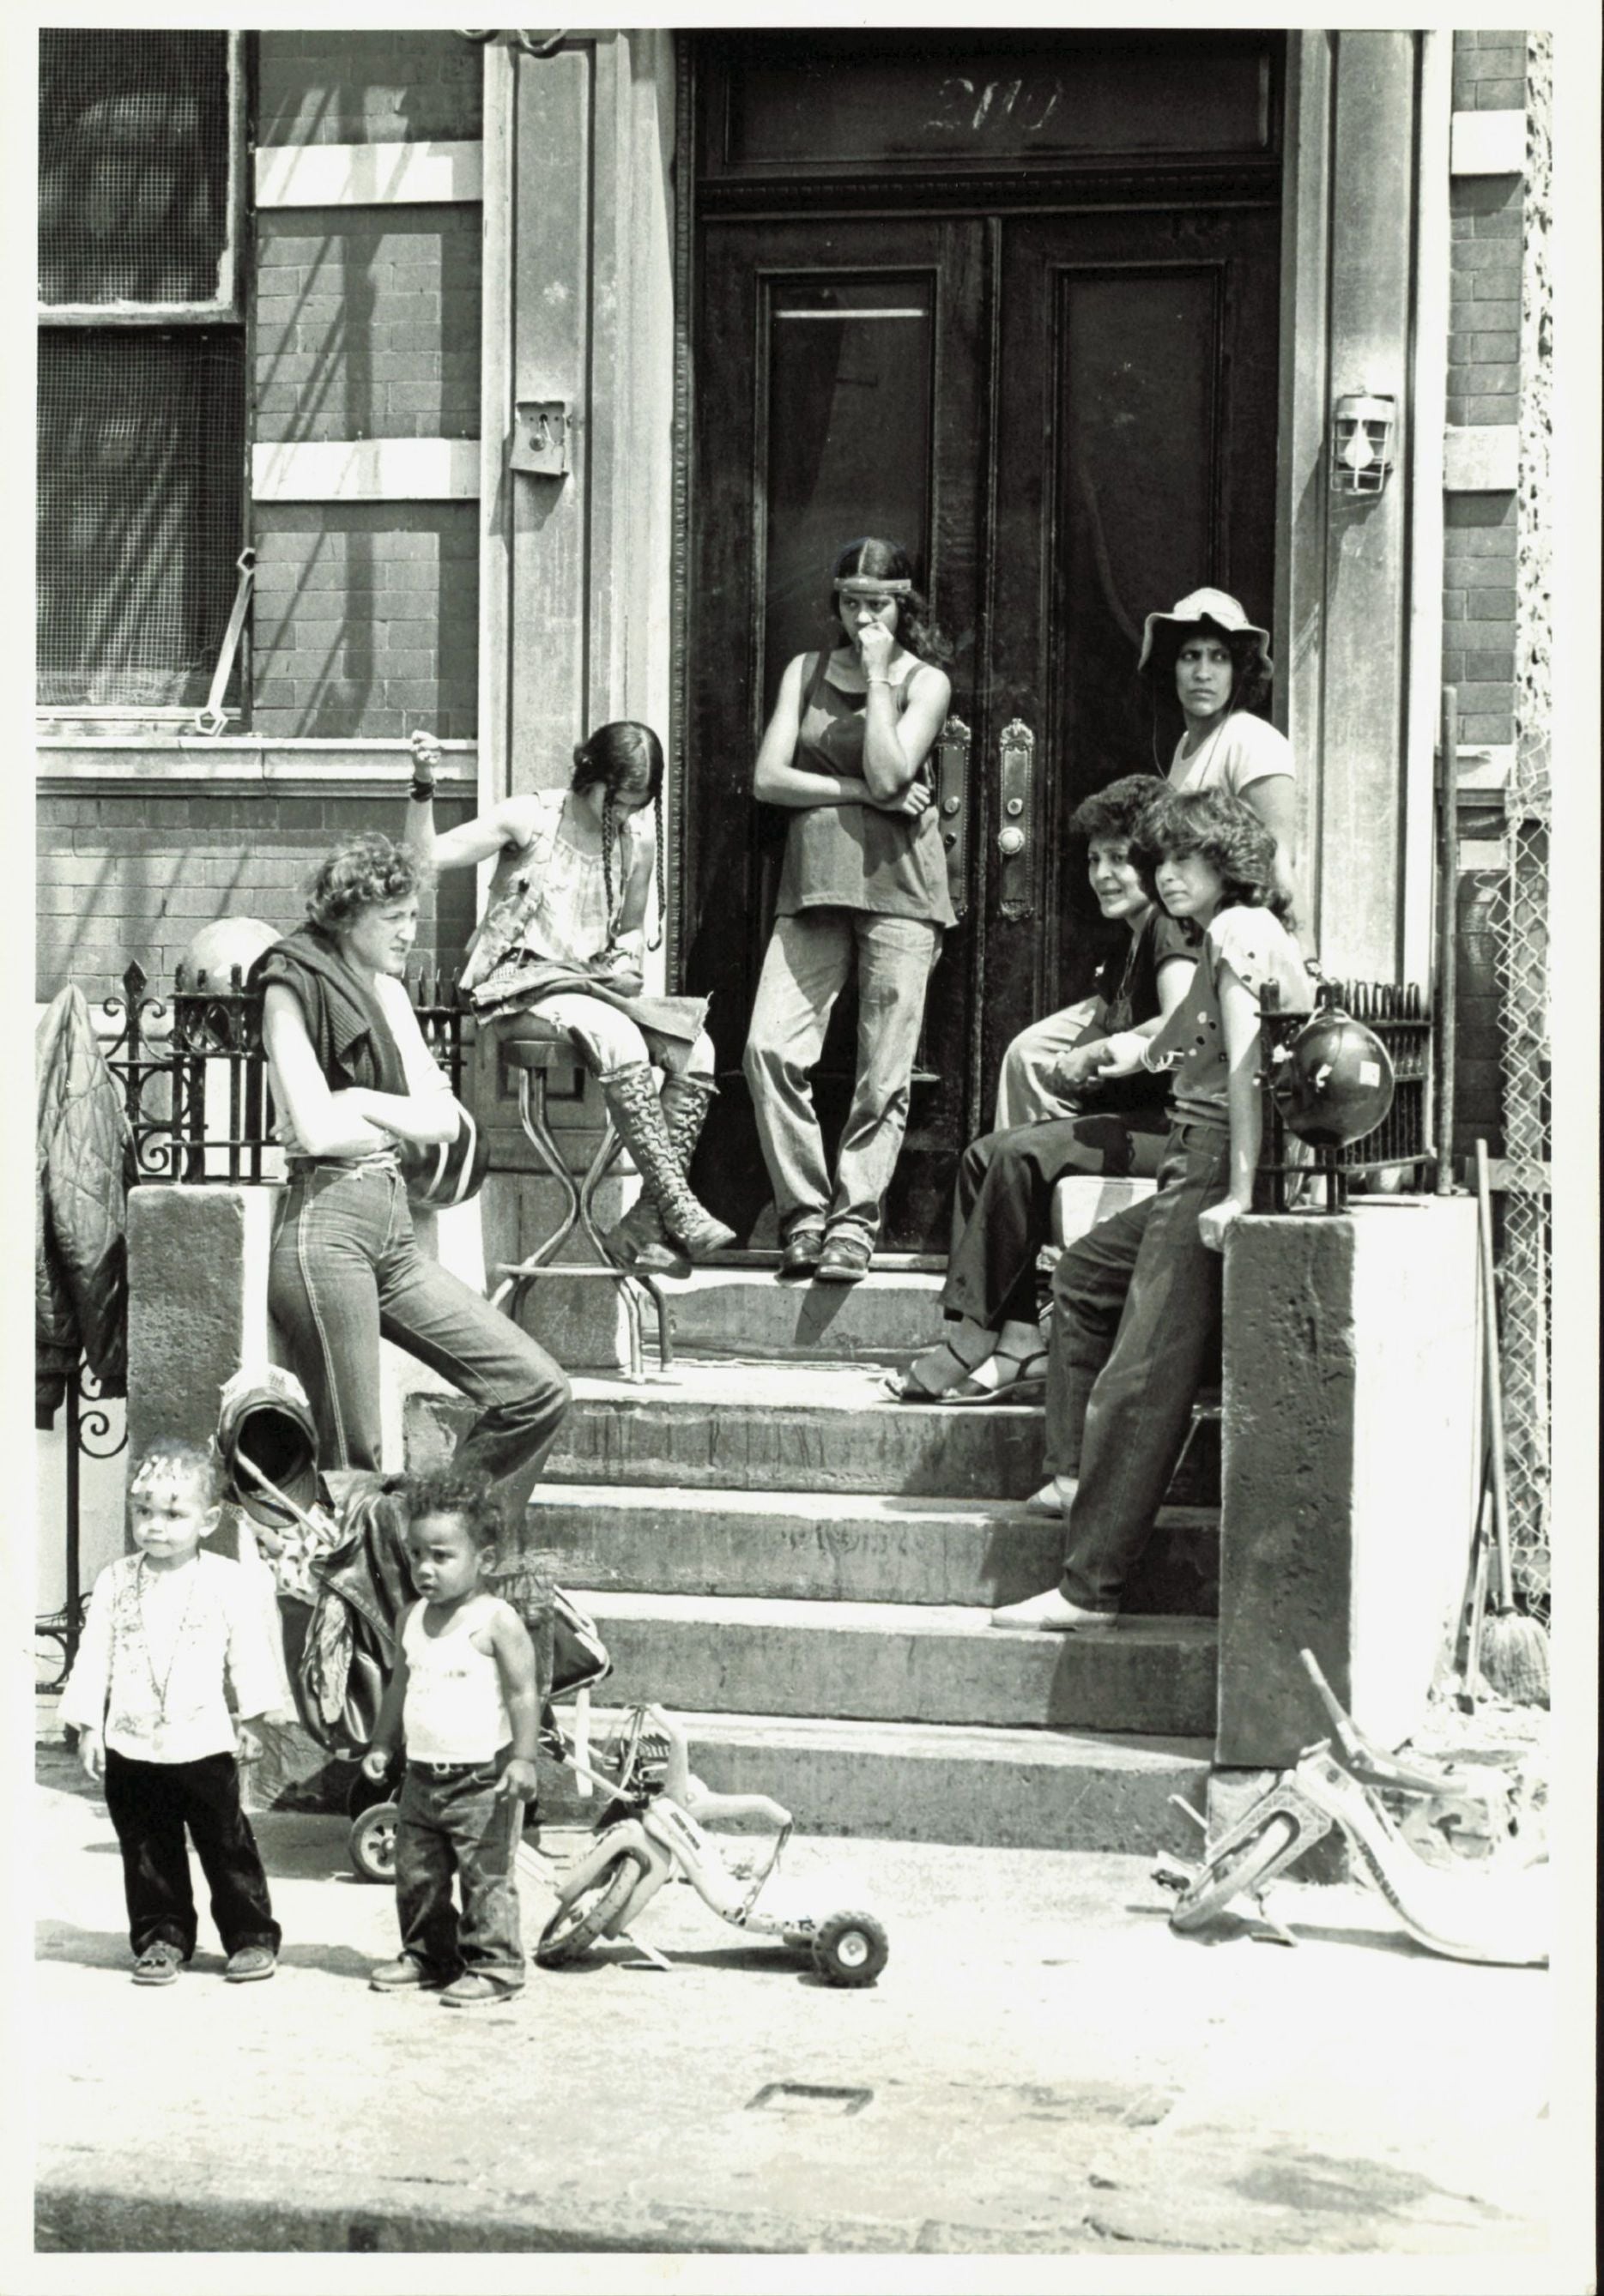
(563, 941)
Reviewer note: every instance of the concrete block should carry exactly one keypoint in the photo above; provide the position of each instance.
(197, 1302)
(1351, 1434)
(1488, 144)
(1481, 458)
(886, 1662)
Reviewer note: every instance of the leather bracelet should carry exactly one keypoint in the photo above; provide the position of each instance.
(876, 681)
(420, 792)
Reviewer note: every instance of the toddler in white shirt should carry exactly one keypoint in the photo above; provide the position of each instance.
(166, 1627)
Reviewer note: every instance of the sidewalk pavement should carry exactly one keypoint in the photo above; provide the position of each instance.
(1043, 2067)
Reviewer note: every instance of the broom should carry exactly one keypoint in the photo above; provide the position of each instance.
(1514, 1648)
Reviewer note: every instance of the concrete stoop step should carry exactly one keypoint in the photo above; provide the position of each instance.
(896, 1780)
(772, 1427)
(862, 1548)
(905, 1663)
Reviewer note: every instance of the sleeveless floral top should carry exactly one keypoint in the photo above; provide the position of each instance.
(554, 891)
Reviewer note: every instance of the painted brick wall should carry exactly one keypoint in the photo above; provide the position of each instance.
(367, 619)
(119, 880)
(366, 324)
(1484, 387)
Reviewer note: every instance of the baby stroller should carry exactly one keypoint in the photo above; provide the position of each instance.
(334, 1544)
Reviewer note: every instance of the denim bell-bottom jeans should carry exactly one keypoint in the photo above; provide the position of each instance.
(810, 959)
(346, 1271)
(1135, 1334)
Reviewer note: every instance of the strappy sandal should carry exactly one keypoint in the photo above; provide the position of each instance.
(908, 1387)
(1025, 1385)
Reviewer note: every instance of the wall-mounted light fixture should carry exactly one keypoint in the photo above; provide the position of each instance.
(1361, 442)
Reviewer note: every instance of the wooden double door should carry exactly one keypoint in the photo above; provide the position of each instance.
(1068, 417)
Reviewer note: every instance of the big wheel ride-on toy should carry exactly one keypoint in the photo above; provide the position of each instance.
(651, 1831)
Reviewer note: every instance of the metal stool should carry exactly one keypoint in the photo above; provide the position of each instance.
(1207, 1411)
(534, 1057)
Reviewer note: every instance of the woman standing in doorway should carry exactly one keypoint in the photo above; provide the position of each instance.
(864, 889)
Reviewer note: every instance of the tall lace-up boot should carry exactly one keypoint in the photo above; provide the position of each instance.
(631, 1097)
(640, 1239)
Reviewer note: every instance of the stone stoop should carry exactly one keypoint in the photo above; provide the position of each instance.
(803, 1570)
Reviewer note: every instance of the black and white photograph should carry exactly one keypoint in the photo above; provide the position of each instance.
(973, 1313)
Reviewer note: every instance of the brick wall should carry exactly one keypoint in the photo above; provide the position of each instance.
(1484, 387)
(120, 879)
(368, 88)
(1481, 541)
(367, 619)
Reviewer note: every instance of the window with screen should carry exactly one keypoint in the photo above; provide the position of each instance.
(141, 388)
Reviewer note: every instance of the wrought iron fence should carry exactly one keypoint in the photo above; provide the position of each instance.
(1400, 1015)
(194, 1075)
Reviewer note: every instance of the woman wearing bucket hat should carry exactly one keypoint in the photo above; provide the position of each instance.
(1216, 664)
(1221, 668)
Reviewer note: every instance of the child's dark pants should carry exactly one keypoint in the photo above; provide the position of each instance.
(1135, 1333)
(450, 1821)
(149, 1804)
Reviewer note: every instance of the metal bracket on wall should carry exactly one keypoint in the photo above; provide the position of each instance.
(952, 806)
(1016, 838)
(540, 428)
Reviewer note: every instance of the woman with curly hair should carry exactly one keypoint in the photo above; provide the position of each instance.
(564, 940)
(864, 888)
(354, 1085)
(1136, 1303)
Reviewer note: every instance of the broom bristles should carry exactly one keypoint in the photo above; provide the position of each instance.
(1515, 1657)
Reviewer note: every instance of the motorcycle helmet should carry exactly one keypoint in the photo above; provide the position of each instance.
(1334, 1082)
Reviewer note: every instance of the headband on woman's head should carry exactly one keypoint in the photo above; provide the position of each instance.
(865, 586)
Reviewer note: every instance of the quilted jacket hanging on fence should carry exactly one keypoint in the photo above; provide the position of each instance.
(83, 1163)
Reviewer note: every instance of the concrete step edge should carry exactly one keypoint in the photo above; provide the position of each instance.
(771, 1613)
(979, 1741)
(867, 1507)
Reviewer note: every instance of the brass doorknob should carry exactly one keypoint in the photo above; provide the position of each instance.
(1009, 841)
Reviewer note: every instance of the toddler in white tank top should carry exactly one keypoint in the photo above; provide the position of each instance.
(465, 1698)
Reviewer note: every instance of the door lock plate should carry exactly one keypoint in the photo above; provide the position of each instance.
(952, 807)
(1015, 839)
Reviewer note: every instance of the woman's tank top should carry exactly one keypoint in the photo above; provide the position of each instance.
(456, 1712)
(854, 857)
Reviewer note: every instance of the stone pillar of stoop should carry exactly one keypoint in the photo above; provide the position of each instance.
(1352, 1435)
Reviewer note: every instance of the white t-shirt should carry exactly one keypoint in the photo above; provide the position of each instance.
(1241, 749)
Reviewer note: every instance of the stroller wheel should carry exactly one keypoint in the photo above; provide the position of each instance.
(372, 1842)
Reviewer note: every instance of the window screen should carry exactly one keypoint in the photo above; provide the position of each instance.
(134, 140)
(140, 454)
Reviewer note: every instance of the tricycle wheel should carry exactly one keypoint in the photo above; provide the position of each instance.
(849, 1949)
(372, 1842)
(1230, 1876)
(574, 1928)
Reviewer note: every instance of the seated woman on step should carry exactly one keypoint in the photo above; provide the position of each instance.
(563, 943)
(1136, 1304)
(993, 1349)
(354, 1084)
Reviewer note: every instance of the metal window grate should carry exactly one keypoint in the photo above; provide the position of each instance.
(133, 167)
(141, 453)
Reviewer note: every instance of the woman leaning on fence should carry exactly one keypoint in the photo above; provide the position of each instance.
(356, 1086)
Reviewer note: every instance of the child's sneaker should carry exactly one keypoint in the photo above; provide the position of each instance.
(157, 1964)
(474, 1989)
(405, 1974)
(250, 1963)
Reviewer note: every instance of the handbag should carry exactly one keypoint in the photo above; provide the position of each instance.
(449, 1172)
